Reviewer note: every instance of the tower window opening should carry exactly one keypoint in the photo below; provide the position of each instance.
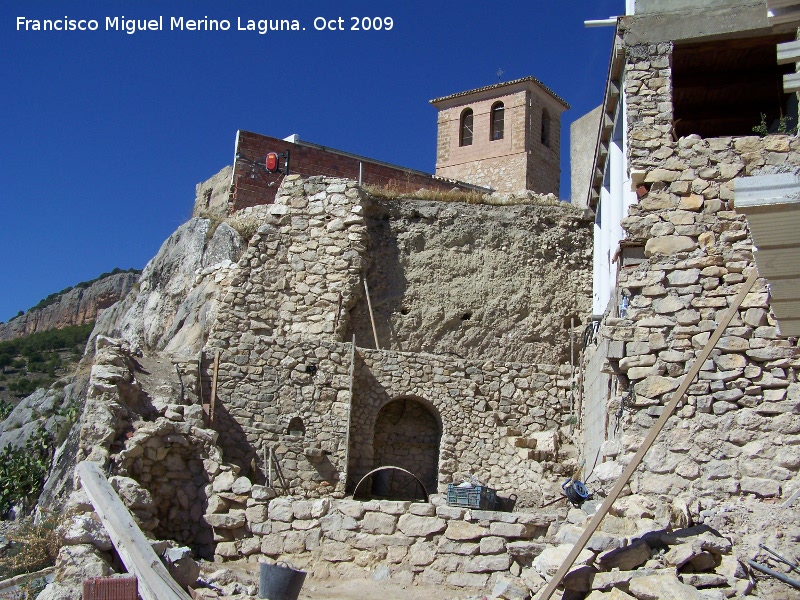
(498, 121)
(465, 137)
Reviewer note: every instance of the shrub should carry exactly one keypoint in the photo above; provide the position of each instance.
(34, 546)
(23, 470)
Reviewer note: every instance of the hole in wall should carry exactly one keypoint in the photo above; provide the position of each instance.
(296, 427)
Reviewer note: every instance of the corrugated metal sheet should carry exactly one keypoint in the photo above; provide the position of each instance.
(771, 204)
(110, 588)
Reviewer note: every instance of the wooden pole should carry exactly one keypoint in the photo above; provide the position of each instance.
(349, 412)
(648, 441)
(155, 582)
(268, 464)
(371, 318)
(213, 399)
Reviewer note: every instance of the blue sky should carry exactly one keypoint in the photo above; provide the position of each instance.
(104, 135)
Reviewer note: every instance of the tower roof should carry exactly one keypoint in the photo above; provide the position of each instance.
(486, 88)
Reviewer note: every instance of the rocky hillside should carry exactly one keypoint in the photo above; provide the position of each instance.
(74, 306)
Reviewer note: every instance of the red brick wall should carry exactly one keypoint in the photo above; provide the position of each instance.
(254, 186)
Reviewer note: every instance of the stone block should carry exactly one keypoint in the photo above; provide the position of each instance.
(422, 509)
(379, 523)
(551, 558)
(336, 551)
(421, 554)
(474, 580)
(508, 530)
(487, 564)
(417, 526)
(450, 512)
(242, 486)
(230, 520)
(627, 558)
(655, 385)
(393, 507)
(492, 545)
(654, 587)
(764, 488)
(351, 508)
(256, 514)
(280, 509)
(463, 531)
(669, 244)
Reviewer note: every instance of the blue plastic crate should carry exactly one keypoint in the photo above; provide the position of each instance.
(476, 496)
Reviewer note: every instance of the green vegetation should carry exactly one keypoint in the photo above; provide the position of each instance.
(53, 298)
(783, 126)
(22, 471)
(39, 359)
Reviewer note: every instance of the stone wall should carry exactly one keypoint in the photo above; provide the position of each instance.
(294, 300)
(736, 432)
(402, 541)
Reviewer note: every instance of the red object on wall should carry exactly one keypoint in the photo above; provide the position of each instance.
(255, 186)
(111, 588)
(272, 162)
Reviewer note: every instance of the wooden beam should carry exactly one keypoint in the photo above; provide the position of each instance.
(791, 83)
(155, 582)
(352, 376)
(648, 441)
(371, 318)
(789, 52)
(213, 399)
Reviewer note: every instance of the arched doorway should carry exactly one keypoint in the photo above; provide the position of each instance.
(407, 435)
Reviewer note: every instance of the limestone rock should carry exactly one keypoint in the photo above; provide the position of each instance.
(669, 244)
(657, 587)
(626, 558)
(417, 526)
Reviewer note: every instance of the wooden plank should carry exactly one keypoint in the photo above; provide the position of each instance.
(791, 82)
(213, 399)
(788, 52)
(155, 582)
(371, 318)
(648, 441)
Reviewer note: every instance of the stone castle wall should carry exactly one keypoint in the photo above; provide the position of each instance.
(284, 332)
(737, 431)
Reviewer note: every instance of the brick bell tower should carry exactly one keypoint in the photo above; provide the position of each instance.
(504, 136)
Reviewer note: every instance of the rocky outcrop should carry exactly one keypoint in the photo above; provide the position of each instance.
(176, 299)
(475, 280)
(211, 196)
(76, 307)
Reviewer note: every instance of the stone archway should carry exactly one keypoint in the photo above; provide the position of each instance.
(407, 435)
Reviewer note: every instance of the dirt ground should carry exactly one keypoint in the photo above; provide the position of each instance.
(356, 588)
(366, 589)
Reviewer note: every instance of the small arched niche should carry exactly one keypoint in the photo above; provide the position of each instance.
(407, 435)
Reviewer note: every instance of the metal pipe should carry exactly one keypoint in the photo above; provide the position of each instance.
(775, 574)
(780, 558)
(601, 22)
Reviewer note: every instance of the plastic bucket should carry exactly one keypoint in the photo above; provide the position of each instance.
(278, 582)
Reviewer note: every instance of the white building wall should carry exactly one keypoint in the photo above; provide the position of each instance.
(616, 196)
